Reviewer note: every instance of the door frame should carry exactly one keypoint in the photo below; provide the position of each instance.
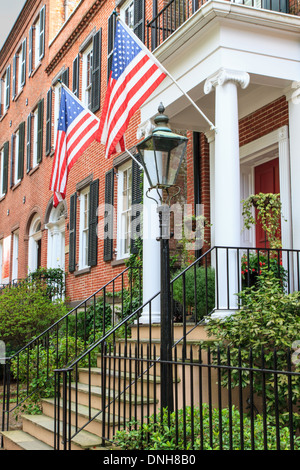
(275, 144)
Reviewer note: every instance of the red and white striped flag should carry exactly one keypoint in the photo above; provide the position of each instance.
(134, 76)
(76, 129)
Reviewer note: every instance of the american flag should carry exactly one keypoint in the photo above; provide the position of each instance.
(134, 76)
(76, 129)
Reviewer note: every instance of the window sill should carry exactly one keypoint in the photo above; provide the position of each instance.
(2, 197)
(33, 170)
(18, 94)
(82, 271)
(16, 185)
(118, 262)
(36, 69)
(3, 116)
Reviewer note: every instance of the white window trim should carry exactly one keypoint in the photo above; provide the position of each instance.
(5, 81)
(83, 231)
(121, 253)
(126, 5)
(34, 237)
(19, 71)
(85, 53)
(1, 259)
(36, 43)
(15, 257)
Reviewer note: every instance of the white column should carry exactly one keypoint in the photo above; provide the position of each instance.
(151, 256)
(227, 228)
(293, 97)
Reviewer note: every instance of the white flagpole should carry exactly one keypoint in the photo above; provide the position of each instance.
(133, 158)
(142, 45)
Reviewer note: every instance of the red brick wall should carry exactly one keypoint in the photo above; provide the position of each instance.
(264, 120)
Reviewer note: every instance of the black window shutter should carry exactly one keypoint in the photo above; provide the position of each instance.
(30, 51)
(1, 110)
(96, 71)
(49, 121)
(5, 167)
(72, 233)
(21, 150)
(75, 80)
(28, 144)
(12, 151)
(111, 39)
(139, 19)
(93, 221)
(136, 198)
(23, 65)
(7, 91)
(40, 130)
(108, 227)
(65, 77)
(42, 33)
(14, 83)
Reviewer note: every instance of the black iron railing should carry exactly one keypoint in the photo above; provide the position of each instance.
(31, 369)
(207, 414)
(176, 12)
(130, 353)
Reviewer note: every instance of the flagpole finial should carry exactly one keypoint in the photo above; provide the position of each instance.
(116, 13)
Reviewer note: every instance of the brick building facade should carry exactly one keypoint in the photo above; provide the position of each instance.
(54, 40)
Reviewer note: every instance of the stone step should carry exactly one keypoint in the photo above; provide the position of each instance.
(42, 427)
(145, 331)
(82, 414)
(124, 404)
(20, 440)
(116, 379)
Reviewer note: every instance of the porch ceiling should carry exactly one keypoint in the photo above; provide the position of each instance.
(225, 35)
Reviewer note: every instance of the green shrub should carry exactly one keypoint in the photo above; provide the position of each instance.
(34, 368)
(88, 324)
(26, 311)
(54, 278)
(268, 321)
(205, 297)
(193, 430)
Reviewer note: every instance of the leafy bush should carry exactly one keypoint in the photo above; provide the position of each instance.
(254, 264)
(25, 311)
(205, 297)
(54, 278)
(89, 324)
(184, 431)
(268, 321)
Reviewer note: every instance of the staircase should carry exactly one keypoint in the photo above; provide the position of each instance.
(130, 394)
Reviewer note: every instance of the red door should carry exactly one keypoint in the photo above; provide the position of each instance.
(266, 181)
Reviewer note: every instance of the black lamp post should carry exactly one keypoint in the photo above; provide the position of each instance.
(161, 155)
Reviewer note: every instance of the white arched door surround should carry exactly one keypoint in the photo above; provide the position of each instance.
(34, 248)
(56, 237)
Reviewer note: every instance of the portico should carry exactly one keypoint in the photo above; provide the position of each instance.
(232, 61)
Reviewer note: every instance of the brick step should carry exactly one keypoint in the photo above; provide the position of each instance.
(42, 427)
(20, 440)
